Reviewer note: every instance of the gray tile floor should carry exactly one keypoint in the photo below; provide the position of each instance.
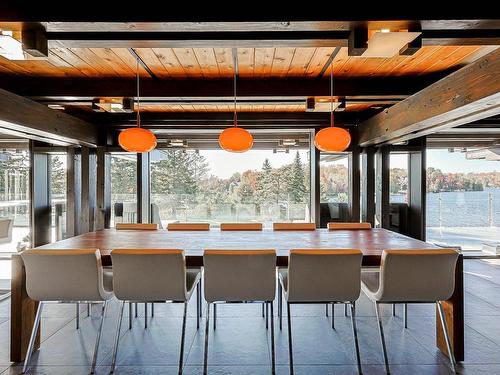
(240, 345)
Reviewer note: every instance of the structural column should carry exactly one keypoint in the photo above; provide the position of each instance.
(143, 188)
(417, 189)
(382, 181)
(368, 185)
(354, 184)
(103, 193)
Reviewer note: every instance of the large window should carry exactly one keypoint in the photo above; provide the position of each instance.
(398, 184)
(463, 197)
(123, 187)
(212, 185)
(14, 209)
(58, 182)
(334, 188)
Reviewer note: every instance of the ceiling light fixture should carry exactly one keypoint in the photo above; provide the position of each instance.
(137, 139)
(235, 139)
(332, 139)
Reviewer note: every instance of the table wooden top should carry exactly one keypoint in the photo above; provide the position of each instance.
(371, 242)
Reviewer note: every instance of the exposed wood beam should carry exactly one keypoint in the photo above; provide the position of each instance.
(207, 120)
(301, 88)
(467, 95)
(24, 117)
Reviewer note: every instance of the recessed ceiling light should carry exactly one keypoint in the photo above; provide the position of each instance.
(56, 106)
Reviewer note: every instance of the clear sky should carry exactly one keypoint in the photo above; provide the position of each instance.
(455, 162)
(223, 164)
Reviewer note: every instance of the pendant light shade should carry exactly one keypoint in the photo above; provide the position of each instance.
(137, 140)
(235, 139)
(332, 139)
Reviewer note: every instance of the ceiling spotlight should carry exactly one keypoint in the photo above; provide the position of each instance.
(56, 106)
(113, 105)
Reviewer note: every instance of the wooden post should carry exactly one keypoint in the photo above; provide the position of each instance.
(143, 188)
(417, 189)
(382, 180)
(368, 185)
(103, 193)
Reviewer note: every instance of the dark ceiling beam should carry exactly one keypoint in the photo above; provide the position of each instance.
(469, 94)
(208, 120)
(23, 117)
(58, 88)
(251, 39)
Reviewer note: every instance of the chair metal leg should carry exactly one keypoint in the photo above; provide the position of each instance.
(183, 337)
(333, 316)
(273, 354)
(382, 339)
(442, 316)
(267, 315)
(130, 315)
(280, 305)
(117, 336)
(98, 338)
(355, 334)
(145, 316)
(263, 310)
(135, 304)
(290, 350)
(77, 315)
(34, 332)
(215, 316)
(205, 352)
(326, 310)
(405, 315)
(393, 309)
(345, 309)
(198, 306)
(152, 309)
(89, 307)
(201, 300)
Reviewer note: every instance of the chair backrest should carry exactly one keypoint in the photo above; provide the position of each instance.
(294, 226)
(149, 274)
(417, 275)
(324, 275)
(239, 275)
(64, 275)
(188, 226)
(340, 226)
(241, 226)
(136, 226)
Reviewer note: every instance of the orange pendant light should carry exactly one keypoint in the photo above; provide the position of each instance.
(235, 139)
(332, 139)
(137, 139)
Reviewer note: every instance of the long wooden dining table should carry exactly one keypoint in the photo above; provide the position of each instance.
(371, 242)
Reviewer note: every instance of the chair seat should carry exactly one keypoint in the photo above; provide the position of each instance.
(370, 282)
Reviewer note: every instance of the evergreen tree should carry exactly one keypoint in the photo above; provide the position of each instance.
(296, 185)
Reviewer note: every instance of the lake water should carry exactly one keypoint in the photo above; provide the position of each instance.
(461, 208)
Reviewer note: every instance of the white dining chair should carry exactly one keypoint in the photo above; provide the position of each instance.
(66, 276)
(321, 276)
(233, 276)
(166, 280)
(413, 276)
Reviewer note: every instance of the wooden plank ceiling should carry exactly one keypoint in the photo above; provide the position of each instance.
(218, 62)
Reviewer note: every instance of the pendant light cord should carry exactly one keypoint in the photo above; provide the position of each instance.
(331, 93)
(234, 88)
(138, 97)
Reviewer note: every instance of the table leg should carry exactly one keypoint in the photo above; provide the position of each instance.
(454, 313)
(22, 312)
